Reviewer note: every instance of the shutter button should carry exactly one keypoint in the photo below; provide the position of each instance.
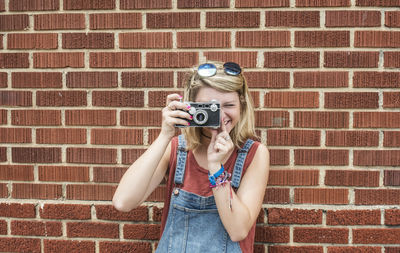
(176, 191)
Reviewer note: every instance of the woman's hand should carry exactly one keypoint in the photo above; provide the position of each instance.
(174, 113)
(219, 148)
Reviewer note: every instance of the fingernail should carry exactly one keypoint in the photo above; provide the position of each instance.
(188, 106)
(188, 123)
(191, 117)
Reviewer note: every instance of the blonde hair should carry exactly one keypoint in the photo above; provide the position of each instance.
(245, 128)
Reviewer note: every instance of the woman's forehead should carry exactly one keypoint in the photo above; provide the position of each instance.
(206, 94)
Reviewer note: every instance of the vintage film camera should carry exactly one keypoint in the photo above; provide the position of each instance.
(205, 114)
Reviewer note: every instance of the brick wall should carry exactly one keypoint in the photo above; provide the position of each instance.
(81, 88)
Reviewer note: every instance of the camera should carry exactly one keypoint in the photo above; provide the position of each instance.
(205, 114)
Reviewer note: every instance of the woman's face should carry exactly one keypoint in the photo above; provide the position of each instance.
(230, 105)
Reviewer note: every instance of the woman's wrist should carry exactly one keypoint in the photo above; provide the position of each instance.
(214, 167)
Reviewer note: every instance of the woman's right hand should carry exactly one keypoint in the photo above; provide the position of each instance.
(173, 114)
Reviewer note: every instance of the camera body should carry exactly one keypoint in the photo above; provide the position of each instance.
(205, 114)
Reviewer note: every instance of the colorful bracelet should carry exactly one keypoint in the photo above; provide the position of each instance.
(213, 178)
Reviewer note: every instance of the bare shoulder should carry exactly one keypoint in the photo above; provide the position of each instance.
(261, 157)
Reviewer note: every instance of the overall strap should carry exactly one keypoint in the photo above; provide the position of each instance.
(180, 160)
(238, 169)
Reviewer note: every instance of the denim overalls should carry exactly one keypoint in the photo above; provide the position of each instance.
(193, 224)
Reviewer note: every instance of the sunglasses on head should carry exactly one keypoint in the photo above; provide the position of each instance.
(209, 69)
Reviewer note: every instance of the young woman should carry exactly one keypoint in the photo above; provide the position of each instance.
(216, 178)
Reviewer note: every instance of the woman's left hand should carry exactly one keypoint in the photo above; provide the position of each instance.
(219, 148)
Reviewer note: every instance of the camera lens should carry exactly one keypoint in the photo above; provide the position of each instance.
(200, 117)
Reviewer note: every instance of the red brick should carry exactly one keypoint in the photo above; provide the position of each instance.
(118, 98)
(108, 212)
(262, 3)
(376, 236)
(294, 216)
(65, 21)
(100, 21)
(118, 246)
(36, 117)
(64, 173)
(3, 191)
(353, 217)
(320, 79)
(294, 249)
(326, 119)
(2, 5)
(131, 155)
(325, 196)
(272, 118)
(15, 135)
(61, 98)
(248, 19)
(16, 172)
(351, 59)
(3, 116)
(90, 117)
(36, 191)
(272, 234)
(144, 4)
(158, 194)
(391, 139)
(392, 249)
(115, 60)
(391, 178)
(276, 196)
(377, 197)
(157, 213)
(92, 79)
(92, 155)
(158, 98)
(277, 99)
(320, 235)
(322, 3)
(333, 157)
(382, 3)
(391, 100)
(295, 59)
(60, 136)
(262, 79)
(37, 5)
(391, 59)
(293, 177)
(117, 136)
(376, 120)
(108, 174)
(244, 59)
(147, 79)
(358, 100)
(3, 227)
(377, 39)
(392, 18)
(171, 59)
(88, 41)
(32, 41)
(174, 20)
(15, 98)
(354, 249)
(263, 39)
(183, 4)
(141, 118)
(15, 22)
(203, 39)
(58, 60)
(142, 231)
(322, 38)
(17, 210)
(292, 19)
(374, 79)
(14, 60)
(276, 137)
(352, 138)
(36, 80)
(353, 19)
(90, 192)
(65, 212)
(36, 155)
(92, 229)
(69, 246)
(20, 244)
(36, 228)
(3, 80)
(89, 5)
(141, 40)
(392, 217)
(377, 157)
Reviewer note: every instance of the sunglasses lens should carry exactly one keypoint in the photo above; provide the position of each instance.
(207, 70)
(232, 68)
